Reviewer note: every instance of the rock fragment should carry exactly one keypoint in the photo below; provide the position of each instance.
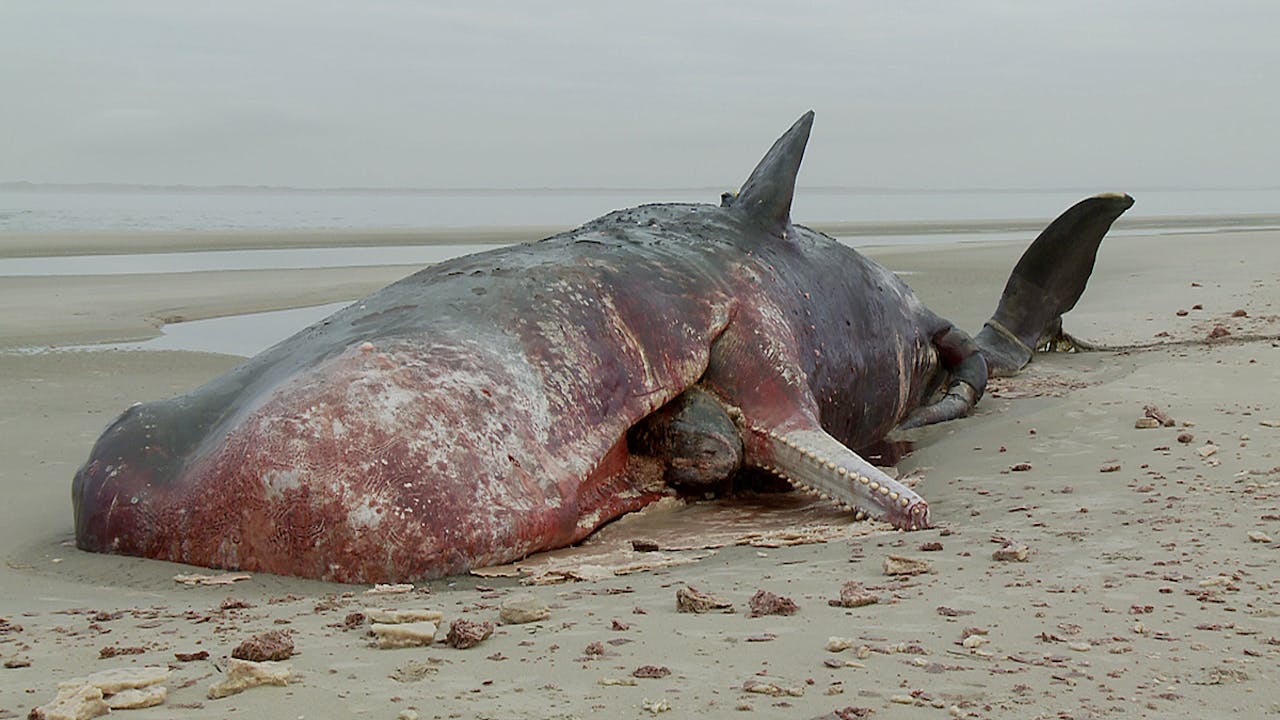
(853, 595)
(1011, 553)
(95, 695)
(136, 698)
(464, 633)
(840, 644)
(270, 645)
(691, 600)
(768, 603)
(1259, 537)
(389, 636)
(389, 589)
(523, 608)
(244, 674)
(111, 651)
(72, 703)
(902, 565)
(1160, 416)
(655, 706)
(201, 579)
(115, 680)
(773, 689)
(392, 617)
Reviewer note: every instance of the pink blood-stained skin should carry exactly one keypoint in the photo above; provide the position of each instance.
(478, 411)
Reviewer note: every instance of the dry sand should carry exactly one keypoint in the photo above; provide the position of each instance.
(1149, 587)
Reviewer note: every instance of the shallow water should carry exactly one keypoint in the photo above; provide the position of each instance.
(297, 258)
(415, 255)
(244, 335)
(45, 209)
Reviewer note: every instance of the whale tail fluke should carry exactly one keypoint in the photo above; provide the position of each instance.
(1047, 282)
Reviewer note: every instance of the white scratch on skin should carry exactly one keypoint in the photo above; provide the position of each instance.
(365, 515)
(775, 340)
(277, 482)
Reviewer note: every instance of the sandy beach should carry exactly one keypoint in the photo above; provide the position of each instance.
(1081, 566)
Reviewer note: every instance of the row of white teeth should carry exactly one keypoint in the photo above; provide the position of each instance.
(840, 470)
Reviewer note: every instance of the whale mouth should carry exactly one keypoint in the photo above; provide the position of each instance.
(814, 462)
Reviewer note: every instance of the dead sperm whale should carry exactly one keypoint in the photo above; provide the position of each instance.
(512, 401)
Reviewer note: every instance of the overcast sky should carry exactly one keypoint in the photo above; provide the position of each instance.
(586, 93)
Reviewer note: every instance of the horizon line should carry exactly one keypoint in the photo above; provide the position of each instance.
(27, 185)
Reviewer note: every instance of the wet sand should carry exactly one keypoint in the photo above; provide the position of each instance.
(1150, 585)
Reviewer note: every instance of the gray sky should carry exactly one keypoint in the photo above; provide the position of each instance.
(585, 93)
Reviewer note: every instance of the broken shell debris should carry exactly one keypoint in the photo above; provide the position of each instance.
(691, 600)
(902, 565)
(389, 589)
(1011, 553)
(202, 579)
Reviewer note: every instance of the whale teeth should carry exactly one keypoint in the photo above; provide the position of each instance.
(842, 471)
(873, 485)
(864, 479)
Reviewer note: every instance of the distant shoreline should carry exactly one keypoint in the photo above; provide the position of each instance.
(79, 242)
(182, 188)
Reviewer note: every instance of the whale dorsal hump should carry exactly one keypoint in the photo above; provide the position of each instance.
(766, 195)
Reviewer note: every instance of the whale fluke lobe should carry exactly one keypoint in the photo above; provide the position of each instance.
(1047, 281)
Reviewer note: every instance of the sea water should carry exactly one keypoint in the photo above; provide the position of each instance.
(36, 208)
(115, 210)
